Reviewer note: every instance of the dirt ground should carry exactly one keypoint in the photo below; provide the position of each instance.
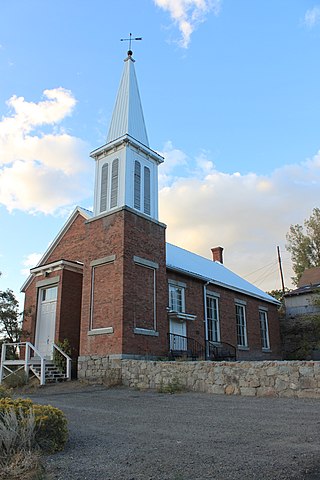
(122, 434)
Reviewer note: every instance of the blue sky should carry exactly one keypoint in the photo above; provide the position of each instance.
(230, 92)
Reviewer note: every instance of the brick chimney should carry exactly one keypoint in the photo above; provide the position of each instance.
(217, 254)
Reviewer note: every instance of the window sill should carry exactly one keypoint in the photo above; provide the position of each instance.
(145, 331)
(267, 350)
(101, 331)
(181, 316)
(240, 347)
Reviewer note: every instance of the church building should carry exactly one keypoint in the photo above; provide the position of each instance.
(111, 285)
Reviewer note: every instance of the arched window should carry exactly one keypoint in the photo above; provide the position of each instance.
(137, 185)
(114, 183)
(147, 200)
(104, 188)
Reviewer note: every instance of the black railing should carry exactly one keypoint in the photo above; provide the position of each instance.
(188, 348)
(185, 347)
(220, 351)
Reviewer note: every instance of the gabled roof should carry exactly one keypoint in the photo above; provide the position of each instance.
(189, 263)
(127, 117)
(86, 214)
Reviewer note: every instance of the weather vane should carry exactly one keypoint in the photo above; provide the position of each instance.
(130, 39)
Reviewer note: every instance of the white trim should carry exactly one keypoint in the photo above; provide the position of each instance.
(181, 316)
(101, 331)
(145, 263)
(58, 265)
(144, 150)
(78, 210)
(145, 331)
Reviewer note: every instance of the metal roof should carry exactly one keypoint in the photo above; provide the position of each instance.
(216, 273)
(127, 117)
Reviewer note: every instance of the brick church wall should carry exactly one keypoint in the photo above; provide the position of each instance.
(194, 304)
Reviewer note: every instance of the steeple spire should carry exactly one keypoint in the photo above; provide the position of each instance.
(126, 167)
(127, 117)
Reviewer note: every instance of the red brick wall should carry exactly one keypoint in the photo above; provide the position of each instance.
(68, 322)
(103, 303)
(104, 238)
(144, 239)
(196, 329)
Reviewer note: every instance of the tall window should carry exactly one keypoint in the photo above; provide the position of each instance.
(176, 298)
(264, 330)
(104, 188)
(137, 185)
(213, 319)
(241, 326)
(147, 190)
(114, 183)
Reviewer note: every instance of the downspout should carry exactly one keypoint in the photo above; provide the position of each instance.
(206, 319)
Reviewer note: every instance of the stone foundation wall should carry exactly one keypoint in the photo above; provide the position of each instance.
(274, 379)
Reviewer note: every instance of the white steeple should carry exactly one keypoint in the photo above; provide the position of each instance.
(126, 167)
(127, 115)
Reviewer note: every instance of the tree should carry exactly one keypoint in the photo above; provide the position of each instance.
(10, 319)
(304, 244)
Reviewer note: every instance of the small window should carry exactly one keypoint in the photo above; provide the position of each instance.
(241, 326)
(104, 188)
(137, 185)
(176, 298)
(114, 183)
(264, 330)
(147, 203)
(213, 319)
(49, 294)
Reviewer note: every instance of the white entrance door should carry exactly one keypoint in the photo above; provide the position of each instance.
(46, 320)
(178, 330)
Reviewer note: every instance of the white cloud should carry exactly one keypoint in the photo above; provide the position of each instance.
(312, 17)
(248, 215)
(30, 261)
(39, 170)
(187, 14)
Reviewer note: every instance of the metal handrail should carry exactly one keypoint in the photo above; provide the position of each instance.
(194, 349)
(221, 351)
(68, 361)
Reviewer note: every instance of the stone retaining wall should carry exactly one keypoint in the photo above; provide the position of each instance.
(266, 378)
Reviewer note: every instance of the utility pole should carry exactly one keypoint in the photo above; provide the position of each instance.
(280, 268)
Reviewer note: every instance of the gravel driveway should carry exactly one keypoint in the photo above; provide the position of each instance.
(122, 434)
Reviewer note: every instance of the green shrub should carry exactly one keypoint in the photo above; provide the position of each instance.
(51, 431)
(58, 359)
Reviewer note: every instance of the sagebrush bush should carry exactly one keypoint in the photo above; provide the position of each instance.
(16, 379)
(51, 432)
(4, 392)
(19, 455)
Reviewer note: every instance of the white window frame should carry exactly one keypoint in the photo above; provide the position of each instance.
(213, 324)
(264, 329)
(241, 324)
(176, 305)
